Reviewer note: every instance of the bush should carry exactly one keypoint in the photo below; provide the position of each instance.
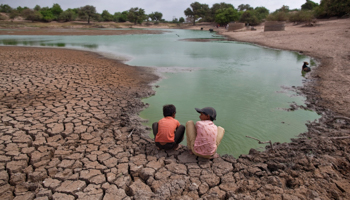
(277, 16)
(332, 8)
(301, 16)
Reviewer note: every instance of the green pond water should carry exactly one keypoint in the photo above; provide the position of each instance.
(249, 86)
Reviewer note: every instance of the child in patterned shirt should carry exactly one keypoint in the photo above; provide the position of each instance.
(204, 137)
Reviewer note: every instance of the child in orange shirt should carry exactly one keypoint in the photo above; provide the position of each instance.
(168, 132)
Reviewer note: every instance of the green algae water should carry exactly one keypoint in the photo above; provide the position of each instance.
(249, 86)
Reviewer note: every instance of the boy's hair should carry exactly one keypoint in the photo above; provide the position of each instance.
(169, 110)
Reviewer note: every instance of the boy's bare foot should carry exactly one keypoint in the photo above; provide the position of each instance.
(214, 156)
(178, 146)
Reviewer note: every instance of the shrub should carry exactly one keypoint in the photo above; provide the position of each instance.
(301, 16)
(278, 16)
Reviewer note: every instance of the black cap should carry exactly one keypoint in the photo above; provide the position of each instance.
(208, 111)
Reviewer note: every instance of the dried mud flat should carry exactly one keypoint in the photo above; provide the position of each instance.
(68, 131)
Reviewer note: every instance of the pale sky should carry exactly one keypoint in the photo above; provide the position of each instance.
(169, 8)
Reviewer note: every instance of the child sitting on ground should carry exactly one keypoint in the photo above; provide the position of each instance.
(168, 132)
(204, 137)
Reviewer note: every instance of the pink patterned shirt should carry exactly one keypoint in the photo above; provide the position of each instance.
(205, 143)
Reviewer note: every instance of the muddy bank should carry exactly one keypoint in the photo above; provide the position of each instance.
(69, 131)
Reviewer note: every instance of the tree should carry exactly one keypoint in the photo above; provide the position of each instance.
(87, 11)
(196, 11)
(98, 17)
(5, 8)
(68, 15)
(309, 5)
(56, 10)
(32, 15)
(121, 17)
(14, 14)
(226, 15)
(211, 16)
(175, 20)
(182, 20)
(249, 16)
(37, 8)
(330, 8)
(19, 9)
(47, 14)
(106, 16)
(284, 8)
(158, 16)
(244, 7)
(261, 13)
(136, 15)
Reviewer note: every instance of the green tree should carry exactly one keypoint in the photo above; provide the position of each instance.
(182, 20)
(284, 8)
(330, 8)
(37, 8)
(88, 12)
(98, 17)
(175, 20)
(32, 15)
(157, 16)
(196, 11)
(244, 7)
(211, 16)
(47, 15)
(250, 17)
(226, 15)
(56, 10)
(309, 5)
(19, 9)
(67, 15)
(5, 8)
(261, 13)
(136, 15)
(14, 14)
(121, 16)
(106, 16)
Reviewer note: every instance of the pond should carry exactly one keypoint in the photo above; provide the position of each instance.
(249, 86)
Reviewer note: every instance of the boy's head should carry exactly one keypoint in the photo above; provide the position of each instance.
(209, 111)
(169, 110)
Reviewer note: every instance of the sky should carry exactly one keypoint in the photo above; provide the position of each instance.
(169, 8)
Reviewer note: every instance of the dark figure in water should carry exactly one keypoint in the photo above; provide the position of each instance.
(305, 67)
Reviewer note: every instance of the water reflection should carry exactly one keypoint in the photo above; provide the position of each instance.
(44, 43)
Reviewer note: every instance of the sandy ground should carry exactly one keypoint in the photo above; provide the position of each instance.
(69, 130)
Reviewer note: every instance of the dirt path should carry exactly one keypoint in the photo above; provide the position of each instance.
(66, 119)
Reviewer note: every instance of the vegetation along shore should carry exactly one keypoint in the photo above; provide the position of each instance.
(69, 127)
